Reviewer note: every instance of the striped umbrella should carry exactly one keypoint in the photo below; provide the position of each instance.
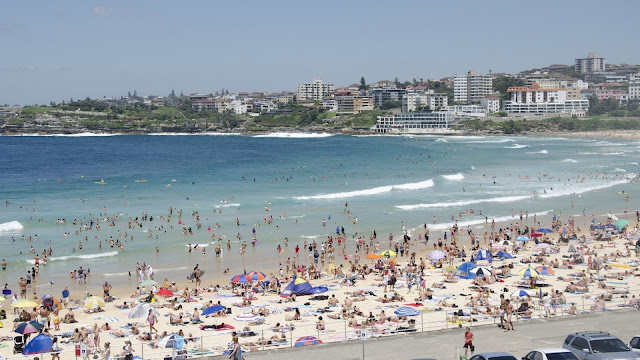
(543, 246)
(24, 303)
(520, 293)
(509, 243)
(247, 317)
(480, 271)
(437, 255)
(388, 253)
(545, 270)
(173, 341)
(31, 327)
(528, 272)
(93, 302)
(308, 340)
(240, 279)
(565, 230)
(497, 246)
(406, 311)
(256, 276)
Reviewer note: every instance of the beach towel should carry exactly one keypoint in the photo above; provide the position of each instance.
(414, 305)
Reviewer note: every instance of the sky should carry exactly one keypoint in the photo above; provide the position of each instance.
(55, 50)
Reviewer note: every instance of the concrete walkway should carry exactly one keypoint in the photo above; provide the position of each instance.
(442, 345)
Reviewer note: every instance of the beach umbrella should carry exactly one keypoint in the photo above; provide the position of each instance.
(544, 230)
(406, 311)
(509, 243)
(622, 223)
(142, 310)
(520, 293)
(308, 340)
(536, 234)
(31, 327)
(165, 292)
(331, 267)
(504, 255)
(545, 270)
(528, 272)
(497, 246)
(373, 256)
(39, 345)
(437, 255)
(240, 279)
(610, 227)
(148, 283)
(522, 238)
(565, 230)
(213, 309)
(256, 276)
(50, 301)
(173, 341)
(388, 253)
(24, 303)
(480, 271)
(597, 227)
(93, 302)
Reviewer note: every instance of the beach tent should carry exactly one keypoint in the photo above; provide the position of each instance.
(39, 345)
(483, 255)
(319, 289)
(298, 286)
(503, 255)
(142, 310)
(464, 272)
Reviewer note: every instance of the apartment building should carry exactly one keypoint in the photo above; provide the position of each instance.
(472, 87)
(534, 100)
(352, 104)
(314, 91)
(592, 63)
(413, 101)
(491, 104)
(634, 87)
(412, 122)
(381, 95)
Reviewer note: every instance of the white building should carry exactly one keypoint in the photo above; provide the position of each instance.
(413, 101)
(634, 87)
(472, 87)
(580, 84)
(591, 63)
(491, 104)
(239, 106)
(534, 100)
(466, 111)
(412, 122)
(314, 91)
(330, 104)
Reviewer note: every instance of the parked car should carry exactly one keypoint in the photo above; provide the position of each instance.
(634, 344)
(493, 356)
(598, 345)
(550, 354)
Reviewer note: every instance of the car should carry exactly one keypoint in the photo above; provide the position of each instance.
(598, 345)
(634, 344)
(550, 354)
(493, 356)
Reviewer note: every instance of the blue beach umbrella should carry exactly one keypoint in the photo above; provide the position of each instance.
(173, 341)
(544, 230)
(520, 293)
(504, 255)
(307, 340)
(213, 309)
(39, 345)
(240, 279)
(406, 311)
(522, 238)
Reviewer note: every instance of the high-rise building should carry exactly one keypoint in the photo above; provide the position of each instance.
(634, 87)
(591, 63)
(472, 87)
(315, 91)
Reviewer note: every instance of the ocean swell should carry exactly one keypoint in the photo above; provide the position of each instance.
(368, 192)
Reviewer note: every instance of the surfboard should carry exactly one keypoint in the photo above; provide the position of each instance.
(100, 182)
(141, 180)
(193, 275)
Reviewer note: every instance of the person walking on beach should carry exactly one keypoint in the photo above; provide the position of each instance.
(509, 312)
(128, 351)
(151, 319)
(468, 342)
(236, 353)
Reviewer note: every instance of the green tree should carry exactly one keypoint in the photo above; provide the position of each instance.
(363, 83)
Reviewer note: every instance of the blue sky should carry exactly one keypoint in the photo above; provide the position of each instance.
(54, 50)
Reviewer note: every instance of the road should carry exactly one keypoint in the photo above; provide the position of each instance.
(442, 345)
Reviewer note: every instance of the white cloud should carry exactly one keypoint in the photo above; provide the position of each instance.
(25, 68)
(102, 11)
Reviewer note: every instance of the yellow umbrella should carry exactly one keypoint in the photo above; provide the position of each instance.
(331, 267)
(24, 303)
(93, 302)
(388, 253)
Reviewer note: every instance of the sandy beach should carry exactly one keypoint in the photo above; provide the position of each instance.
(441, 300)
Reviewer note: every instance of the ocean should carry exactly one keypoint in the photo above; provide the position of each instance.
(302, 179)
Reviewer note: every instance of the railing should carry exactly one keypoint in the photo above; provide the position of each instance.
(339, 330)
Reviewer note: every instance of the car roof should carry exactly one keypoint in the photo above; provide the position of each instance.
(494, 354)
(594, 334)
(552, 350)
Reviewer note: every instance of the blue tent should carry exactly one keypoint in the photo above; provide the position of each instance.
(319, 289)
(39, 345)
(482, 255)
(463, 271)
(298, 286)
(504, 255)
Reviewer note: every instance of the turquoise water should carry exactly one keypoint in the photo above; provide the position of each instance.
(385, 179)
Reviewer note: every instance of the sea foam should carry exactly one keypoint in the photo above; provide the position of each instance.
(11, 226)
(445, 226)
(463, 202)
(293, 135)
(457, 176)
(517, 146)
(572, 190)
(368, 192)
(83, 257)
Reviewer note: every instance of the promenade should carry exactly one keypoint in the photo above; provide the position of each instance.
(442, 345)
